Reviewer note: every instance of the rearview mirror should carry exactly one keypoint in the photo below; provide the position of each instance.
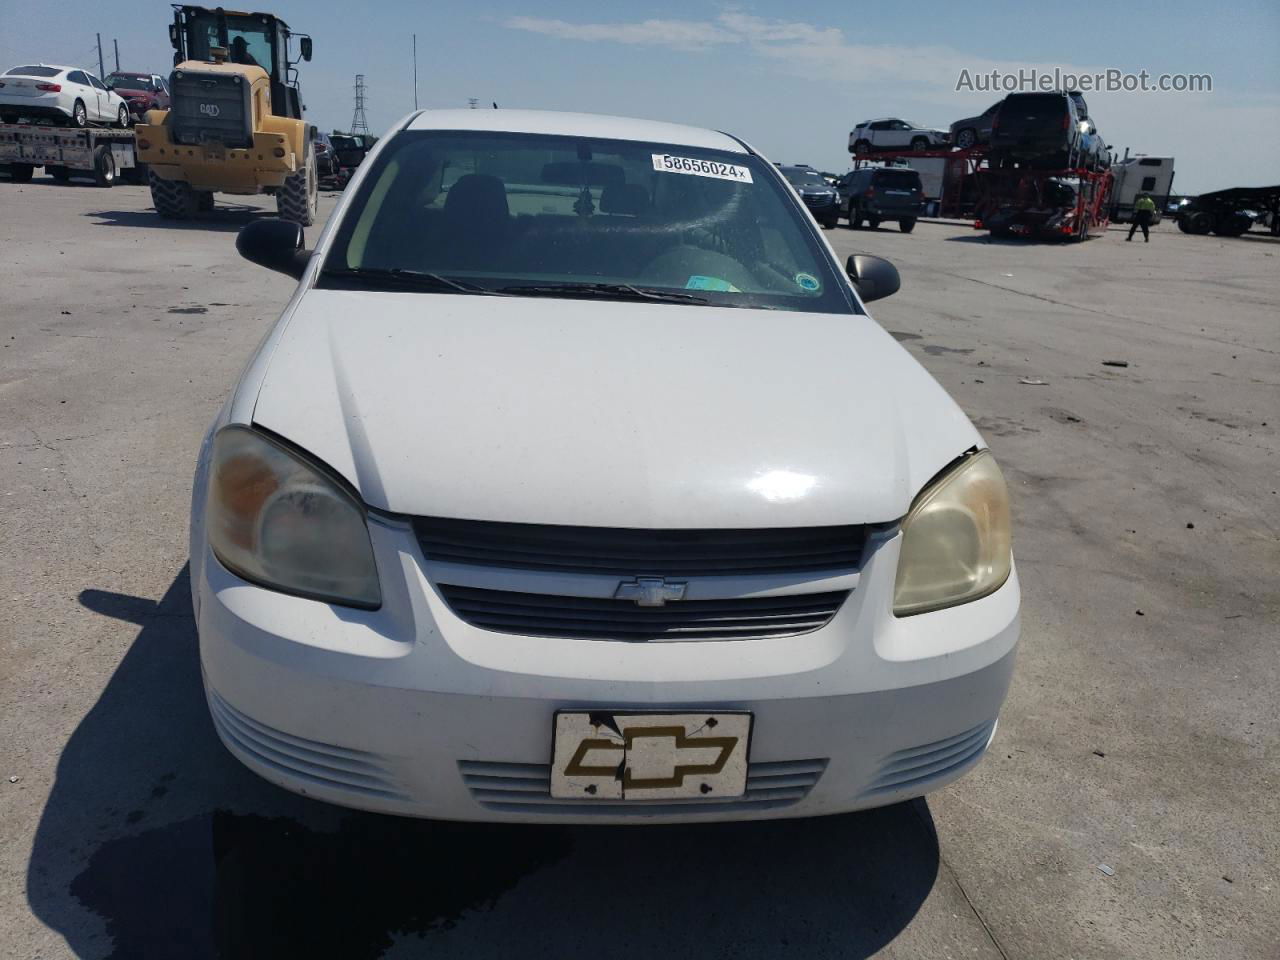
(583, 174)
(275, 244)
(306, 49)
(875, 277)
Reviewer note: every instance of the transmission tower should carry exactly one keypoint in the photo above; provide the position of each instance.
(358, 123)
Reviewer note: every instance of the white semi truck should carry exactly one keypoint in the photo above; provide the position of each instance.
(1140, 174)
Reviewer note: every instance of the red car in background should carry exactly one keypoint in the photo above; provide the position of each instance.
(141, 91)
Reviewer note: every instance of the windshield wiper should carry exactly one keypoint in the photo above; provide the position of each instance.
(608, 291)
(419, 279)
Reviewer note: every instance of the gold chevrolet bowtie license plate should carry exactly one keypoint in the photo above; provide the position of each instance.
(604, 755)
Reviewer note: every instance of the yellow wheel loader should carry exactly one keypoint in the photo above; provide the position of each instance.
(234, 124)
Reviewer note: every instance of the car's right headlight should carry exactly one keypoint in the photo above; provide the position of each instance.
(278, 520)
(955, 539)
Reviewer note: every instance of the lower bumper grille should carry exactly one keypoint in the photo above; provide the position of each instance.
(323, 764)
(918, 767)
(526, 788)
(589, 618)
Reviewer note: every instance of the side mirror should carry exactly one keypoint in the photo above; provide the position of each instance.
(306, 49)
(274, 244)
(173, 35)
(875, 277)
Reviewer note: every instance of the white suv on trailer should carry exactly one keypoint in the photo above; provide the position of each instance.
(576, 484)
(891, 133)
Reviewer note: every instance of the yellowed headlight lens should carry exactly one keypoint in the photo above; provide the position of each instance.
(956, 539)
(275, 519)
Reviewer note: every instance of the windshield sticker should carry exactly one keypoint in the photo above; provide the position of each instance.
(666, 163)
(807, 281)
(710, 283)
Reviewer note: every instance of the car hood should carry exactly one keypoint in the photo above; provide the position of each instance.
(608, 414)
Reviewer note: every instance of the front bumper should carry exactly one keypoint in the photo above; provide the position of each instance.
(822, 208)
(410, 710)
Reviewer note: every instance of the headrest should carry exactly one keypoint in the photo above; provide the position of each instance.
(477, 195)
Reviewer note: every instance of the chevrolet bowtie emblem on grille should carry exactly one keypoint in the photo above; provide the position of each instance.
(649, 591)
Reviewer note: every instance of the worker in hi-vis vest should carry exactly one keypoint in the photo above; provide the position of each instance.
(1144, 208)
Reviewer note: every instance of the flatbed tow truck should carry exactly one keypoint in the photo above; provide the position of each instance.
(103, 154)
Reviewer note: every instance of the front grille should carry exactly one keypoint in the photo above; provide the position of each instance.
(628, 552)
(526, 788)
(591, 618)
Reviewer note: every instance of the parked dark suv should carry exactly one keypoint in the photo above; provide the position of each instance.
(875, 194)
(1044, 129)
(818, 195)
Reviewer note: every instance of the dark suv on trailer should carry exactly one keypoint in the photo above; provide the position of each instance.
(1045, 129)
(875, 194)
(818, 195)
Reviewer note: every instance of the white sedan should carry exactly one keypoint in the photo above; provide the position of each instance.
(69, 94)
(575, 484)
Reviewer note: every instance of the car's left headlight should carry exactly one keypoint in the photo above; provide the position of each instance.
(955, 539)
(277, 519)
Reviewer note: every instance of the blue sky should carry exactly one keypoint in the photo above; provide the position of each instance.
(789, 78)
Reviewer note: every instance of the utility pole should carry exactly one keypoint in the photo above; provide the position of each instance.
(102, 67)
(358, 122)
(415, 71)
(116, 44)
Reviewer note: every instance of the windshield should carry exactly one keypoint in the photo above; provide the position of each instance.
(33, 72)
(801, 177)
(533, 213)
(130, 81)
(248, 40)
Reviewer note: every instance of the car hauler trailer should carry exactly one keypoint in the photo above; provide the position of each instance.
(1017, 199)
(98, 152)
(1140, 174)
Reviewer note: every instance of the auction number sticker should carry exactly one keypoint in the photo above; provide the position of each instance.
(666, 163)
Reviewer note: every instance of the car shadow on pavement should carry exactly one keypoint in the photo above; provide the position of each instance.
(156, 843)
(219, 218)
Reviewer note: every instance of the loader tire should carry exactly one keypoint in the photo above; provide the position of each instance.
(296, 199)
(173, 199)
